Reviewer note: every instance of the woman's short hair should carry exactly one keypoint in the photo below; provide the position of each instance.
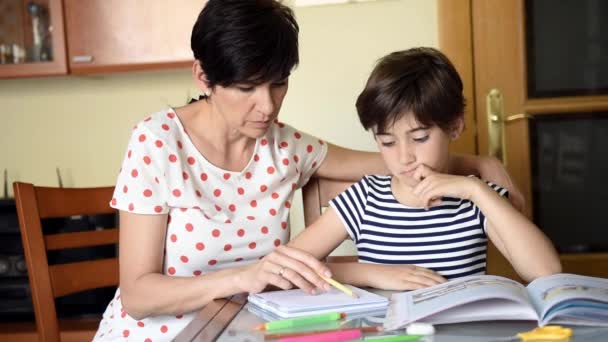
(245, 41)
(419, 80)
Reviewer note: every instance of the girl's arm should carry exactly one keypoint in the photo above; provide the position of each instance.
(325, 234)
(321, 237)
(146, 291)
(518, 239)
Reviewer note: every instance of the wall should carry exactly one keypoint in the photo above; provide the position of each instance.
(81, 124)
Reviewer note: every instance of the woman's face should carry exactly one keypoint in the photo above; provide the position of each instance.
(407, 145)
(249, 109)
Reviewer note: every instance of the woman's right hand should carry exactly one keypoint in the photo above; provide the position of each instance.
(285, 268)
(402, 277)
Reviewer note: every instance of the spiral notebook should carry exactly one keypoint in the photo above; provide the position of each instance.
(297, 303)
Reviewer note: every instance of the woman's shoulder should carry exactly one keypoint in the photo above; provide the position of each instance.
(155, 121)
(283, 132)
(162, 125)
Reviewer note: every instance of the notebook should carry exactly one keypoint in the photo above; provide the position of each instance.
(297, 303)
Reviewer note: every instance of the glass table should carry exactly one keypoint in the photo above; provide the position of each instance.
(228, 320)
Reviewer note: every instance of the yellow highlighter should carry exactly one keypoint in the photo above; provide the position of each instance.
(340, 286)
(546, 333)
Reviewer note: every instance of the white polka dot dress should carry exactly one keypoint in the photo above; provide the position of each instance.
(217, 218)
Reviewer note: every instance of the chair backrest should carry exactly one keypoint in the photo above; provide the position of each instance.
(316, 195)
(48, 282)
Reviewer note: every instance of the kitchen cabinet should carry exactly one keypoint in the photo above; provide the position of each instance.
(32, 39)
(100, 36)
(117, 35)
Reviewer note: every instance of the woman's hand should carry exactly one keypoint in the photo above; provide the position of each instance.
(489, 169)
(434, 185)
(284, 268)
(402, 277)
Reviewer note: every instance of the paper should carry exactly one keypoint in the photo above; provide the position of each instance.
(295, 303)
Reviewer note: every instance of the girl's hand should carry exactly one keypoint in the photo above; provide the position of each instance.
(402, 277)
(434, 185)
(284, 268)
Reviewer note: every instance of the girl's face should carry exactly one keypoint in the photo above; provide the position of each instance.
(407, 145)
(249, 109)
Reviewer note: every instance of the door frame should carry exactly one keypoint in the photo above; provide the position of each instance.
(454, 33)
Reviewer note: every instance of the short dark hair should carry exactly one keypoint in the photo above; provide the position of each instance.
(251, 41)
(419, 80)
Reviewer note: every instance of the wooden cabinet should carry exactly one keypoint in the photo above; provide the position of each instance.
(31, 38)
(118, 35)
(101, 36)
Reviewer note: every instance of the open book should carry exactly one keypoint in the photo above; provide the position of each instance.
(295, 303)
(558, 299)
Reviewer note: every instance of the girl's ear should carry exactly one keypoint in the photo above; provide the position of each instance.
(200, 78)
(457, 128)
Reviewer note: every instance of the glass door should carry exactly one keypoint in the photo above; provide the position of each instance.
(541, 98)
(32, 39)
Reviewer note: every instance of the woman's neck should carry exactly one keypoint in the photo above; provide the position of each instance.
(220, 144)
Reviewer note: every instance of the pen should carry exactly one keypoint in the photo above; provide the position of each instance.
(344, 335)
(302, 333)
(299, 321)
(340, 286)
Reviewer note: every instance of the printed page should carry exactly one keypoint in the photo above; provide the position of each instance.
(487, 294)
(577, 298)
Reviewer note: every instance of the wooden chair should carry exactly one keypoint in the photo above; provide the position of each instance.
(48, 282)
(316, 195)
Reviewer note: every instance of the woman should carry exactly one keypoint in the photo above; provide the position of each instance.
(205, 189)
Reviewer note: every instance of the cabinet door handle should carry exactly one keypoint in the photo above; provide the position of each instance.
(82, 59)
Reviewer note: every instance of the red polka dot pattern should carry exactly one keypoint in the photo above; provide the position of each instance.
(214, 217)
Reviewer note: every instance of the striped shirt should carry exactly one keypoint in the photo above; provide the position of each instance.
(449, 238)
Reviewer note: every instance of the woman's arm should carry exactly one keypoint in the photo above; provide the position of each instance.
(490, 169)
(351, 165)
(146, 291)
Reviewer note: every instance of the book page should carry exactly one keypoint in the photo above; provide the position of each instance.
(580, 298)
(407, 307)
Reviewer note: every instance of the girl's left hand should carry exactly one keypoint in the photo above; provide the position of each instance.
(434, 185)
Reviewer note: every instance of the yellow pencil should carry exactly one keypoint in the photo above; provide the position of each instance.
(340, 287)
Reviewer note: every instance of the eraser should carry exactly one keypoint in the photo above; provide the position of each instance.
(423, 329)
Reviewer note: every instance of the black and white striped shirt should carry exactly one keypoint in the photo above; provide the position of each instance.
(449, 238)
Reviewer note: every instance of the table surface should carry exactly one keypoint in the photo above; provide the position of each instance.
(229, 320)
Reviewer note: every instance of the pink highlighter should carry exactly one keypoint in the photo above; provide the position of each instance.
(333, 336)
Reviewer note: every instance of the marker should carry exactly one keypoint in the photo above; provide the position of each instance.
(299, 321)
(548, 332)
(340, 286)
(338, 336)
(392, 338)
(303, 333)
